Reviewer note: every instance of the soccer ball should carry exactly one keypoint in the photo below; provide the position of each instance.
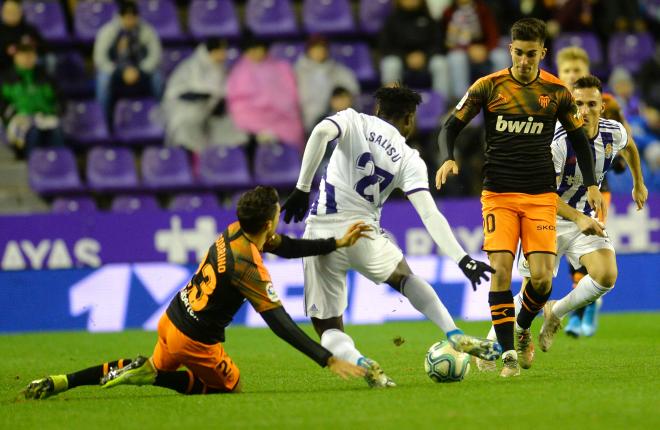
(444, 364)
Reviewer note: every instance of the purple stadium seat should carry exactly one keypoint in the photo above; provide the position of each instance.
(630, 50)
(71, 76)
(137, 121)
(111, 169)
(373, 14)
(53, 170)
(289, 51)
(328, 16)
(430, 111)
(208, 18)
(172, 56)
(48, 17)
(84, 123)
(585, 40)
(224, 168)
(271, 18)
(166, 168)
(161, 14)
(357, 57)
(133, 203)
(194, 202)
(67, 205)
(276, 165)
(90, 15)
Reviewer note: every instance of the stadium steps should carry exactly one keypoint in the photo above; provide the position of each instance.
(16, 196)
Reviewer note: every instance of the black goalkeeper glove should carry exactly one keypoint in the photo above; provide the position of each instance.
(475, 270)
(295, 206)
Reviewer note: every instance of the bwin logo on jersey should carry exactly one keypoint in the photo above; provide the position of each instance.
(519, 127)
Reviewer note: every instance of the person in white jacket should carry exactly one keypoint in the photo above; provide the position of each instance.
(194, 101)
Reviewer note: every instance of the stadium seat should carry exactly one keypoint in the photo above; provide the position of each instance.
(84, 123)
(208, 18)
(276, 165)
(329, 17)
(166, 168)
(271, 18)
(373, 14)
(53, 170)
(224, 168)
(430, 111)
(630, 50)
(194, 202)
(48, 17)
(128, 204)
(172, 56)
(357, 57)
(111, 169)
(162, 15)
(71, 76)
(289, 51)
(89, 16)
(77, 204)
(585, 40)
(137, 121)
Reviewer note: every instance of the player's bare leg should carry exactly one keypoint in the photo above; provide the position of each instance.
(602, 273)
(502, 309)
(333, 338)
(423, 297)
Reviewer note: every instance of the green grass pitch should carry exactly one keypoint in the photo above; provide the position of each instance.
(611, 381)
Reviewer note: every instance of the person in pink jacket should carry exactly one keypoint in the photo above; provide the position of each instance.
(263, 98)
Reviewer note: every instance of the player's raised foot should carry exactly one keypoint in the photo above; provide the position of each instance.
(510, 366)
(485, 365)
(140, 371)
(49, 386)
(589, 319)
(375, 376)
(574, 326)
(484, 349)
(549, 328)
(525, 348)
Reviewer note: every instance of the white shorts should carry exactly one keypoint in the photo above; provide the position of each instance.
(325, 275)
(571, 243)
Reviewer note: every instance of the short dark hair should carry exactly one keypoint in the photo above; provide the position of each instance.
(340, 91)
(213, 43)
(256, 207)
(128, 7)
(589, 81)
(529, 30)
(396, 102)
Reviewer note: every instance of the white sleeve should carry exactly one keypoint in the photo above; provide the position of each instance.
(323, 133)
(436, 224)
(623, 142)
(414, 175)
(341, 120)
(558, 148)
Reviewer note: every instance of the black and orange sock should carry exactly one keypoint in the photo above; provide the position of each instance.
(93, 375)
(532, 303)
(184, 382)
(503, 314)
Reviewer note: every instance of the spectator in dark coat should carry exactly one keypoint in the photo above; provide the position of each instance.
(14, 30)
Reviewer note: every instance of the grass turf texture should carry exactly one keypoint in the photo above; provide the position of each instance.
(606, 382)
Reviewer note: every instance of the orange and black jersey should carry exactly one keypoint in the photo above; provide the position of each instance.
(231, 273)
(520, 123)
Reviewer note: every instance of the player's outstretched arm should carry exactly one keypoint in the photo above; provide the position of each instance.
(631, 155)
(282, 325)
(438, 227)
(297, 203)
(288, 247)
(587, 225)
(446, 140)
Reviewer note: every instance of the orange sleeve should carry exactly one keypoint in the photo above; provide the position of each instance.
(254, 281)
(472, 102)
(567, 112)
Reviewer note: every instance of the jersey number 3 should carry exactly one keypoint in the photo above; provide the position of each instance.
(375, 176)
(198, 296)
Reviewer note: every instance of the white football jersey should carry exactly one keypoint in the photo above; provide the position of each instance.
(611, 138)
(371, 159)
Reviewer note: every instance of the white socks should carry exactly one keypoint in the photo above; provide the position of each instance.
(341, 345)
(586, 291)
(423, 298)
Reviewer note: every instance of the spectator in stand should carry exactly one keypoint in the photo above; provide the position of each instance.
(646, 130)
(194, 102)
(262, 96)
(617, 15)
(472, 37)
(649, 84)
(510, 11)
(318, 75)
(14, 30)
(622, 85)
(411, 45)
(573, 15)
(127, 53)
(29, 103)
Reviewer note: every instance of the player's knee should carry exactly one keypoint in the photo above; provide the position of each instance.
(606, 276)
(542, 281)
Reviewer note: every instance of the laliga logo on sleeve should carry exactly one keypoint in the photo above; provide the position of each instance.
(272, 295)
